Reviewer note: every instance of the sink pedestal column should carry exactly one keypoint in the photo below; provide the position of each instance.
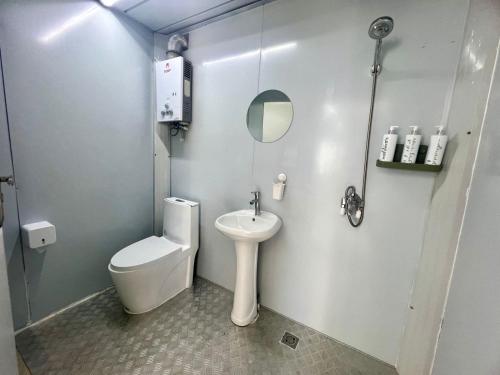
(245, 293)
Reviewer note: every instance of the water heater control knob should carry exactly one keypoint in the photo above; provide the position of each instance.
(168, 111)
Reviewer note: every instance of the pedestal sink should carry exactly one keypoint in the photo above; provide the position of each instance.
(247, 230)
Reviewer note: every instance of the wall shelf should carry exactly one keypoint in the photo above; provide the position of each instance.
(409, 167)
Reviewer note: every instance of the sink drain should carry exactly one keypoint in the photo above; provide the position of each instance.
(290, 340)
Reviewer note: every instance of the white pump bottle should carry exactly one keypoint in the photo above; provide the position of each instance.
(412, 143)
(389, 142)
(436, 148)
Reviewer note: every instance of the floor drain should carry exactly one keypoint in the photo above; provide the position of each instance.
(290, 340)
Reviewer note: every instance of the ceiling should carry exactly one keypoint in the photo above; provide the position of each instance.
(168, 16)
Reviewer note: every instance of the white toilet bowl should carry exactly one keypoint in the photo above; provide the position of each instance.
(151, 271)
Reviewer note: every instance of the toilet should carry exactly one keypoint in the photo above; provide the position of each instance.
(153, 270)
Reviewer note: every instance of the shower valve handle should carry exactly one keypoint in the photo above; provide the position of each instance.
(9, 180)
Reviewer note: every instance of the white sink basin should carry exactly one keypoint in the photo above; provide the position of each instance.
(244, 225)
(247, 230)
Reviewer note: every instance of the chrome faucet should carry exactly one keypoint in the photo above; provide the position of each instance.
(256, 202)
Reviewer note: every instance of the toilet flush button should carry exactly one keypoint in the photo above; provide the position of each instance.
(39, 234)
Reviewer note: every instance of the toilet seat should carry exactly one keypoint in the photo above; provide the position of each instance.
(143, 253)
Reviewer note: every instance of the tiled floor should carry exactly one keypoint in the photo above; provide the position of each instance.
(190, 334)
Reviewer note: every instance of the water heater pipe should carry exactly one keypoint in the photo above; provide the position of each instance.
(177, 43)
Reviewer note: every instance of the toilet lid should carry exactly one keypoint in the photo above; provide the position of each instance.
(143, 252)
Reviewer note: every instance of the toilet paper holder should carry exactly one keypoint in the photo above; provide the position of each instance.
(38, 235)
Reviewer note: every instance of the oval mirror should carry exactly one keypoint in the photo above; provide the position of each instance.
(269, 116)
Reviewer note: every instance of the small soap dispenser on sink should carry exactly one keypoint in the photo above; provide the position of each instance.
(279, 187)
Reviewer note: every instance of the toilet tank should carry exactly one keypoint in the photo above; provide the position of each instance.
(181, 222)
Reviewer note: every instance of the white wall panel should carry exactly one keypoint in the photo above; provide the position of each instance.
(467, 107)
(78, 87)
(214, 164)
(352, 284)
(470, 336)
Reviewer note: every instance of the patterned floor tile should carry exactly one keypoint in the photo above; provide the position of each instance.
(190, 334)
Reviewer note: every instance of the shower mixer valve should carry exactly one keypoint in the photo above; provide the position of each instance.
(351, 204)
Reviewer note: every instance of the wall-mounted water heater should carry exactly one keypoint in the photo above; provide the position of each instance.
(173, 90)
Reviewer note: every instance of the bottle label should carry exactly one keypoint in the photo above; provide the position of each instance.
(435, 155)
(410, 150)
(383, 150)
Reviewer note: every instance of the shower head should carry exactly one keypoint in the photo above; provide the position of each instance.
(381, 27)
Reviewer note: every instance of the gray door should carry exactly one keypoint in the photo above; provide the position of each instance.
(12, 238)
(7, 347)
(79, 114)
